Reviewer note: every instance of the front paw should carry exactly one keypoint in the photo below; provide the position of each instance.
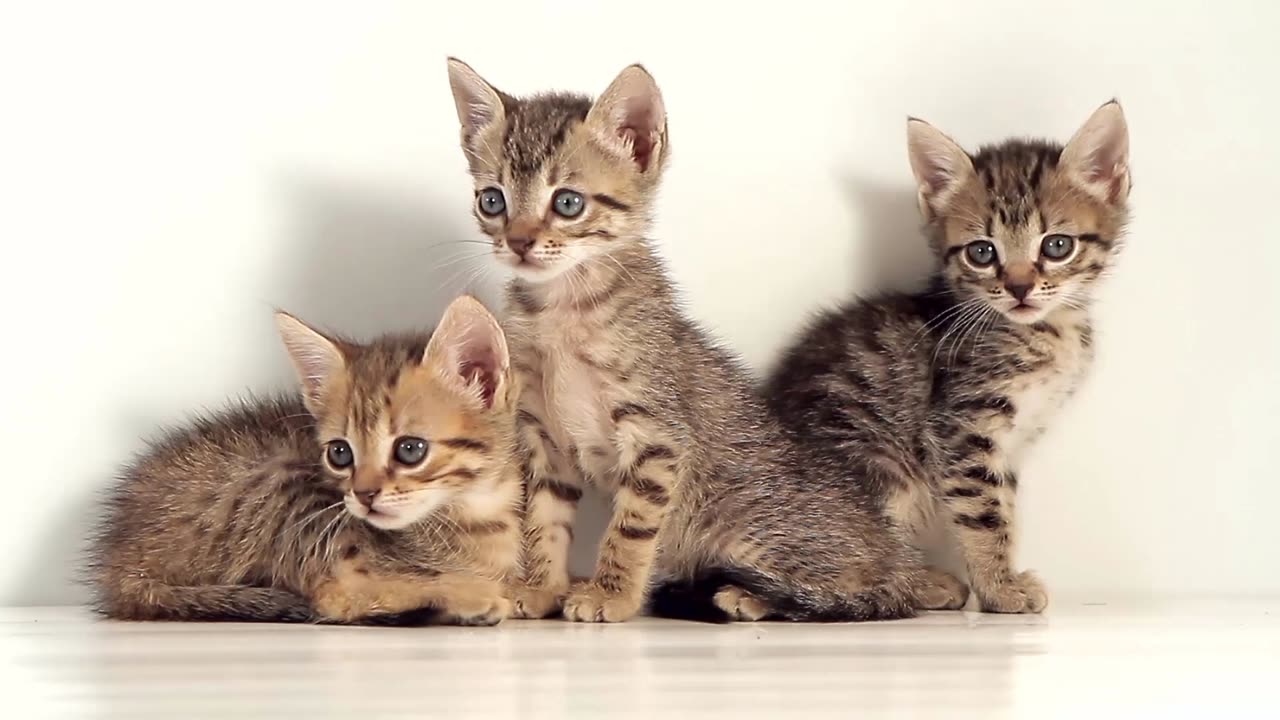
(592, 603)
(535, 603)
(1021, 593)
(330, 604)
(480, 611)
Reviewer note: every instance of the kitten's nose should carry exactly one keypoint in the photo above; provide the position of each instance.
(1019, 290)
(520, 244)
(366, 497)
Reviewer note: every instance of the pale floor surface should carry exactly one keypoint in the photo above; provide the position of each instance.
(1218, 659)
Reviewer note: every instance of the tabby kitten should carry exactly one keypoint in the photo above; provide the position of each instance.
(930, 400)
(623, 391)
(385, 492)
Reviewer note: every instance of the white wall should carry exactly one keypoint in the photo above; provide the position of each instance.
(169, 172)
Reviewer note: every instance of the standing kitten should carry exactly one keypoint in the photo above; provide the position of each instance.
(621, 390)
(388, 487)
(931, 399)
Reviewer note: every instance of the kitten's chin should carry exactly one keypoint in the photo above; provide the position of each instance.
(389, 521)
(537, 271)
(1025, 314)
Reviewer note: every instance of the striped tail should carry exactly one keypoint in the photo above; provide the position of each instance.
(149, 600)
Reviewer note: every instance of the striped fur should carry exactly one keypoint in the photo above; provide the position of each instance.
(930, 400)
(240, 516)
(622, 391)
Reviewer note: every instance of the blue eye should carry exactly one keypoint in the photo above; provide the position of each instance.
(1057, 247)
(568, 203)
(980, 252)
(339, 454)
(491, 202)
(410, 450)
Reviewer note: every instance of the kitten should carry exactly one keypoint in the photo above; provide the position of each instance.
(388, 487)
(932, 399)
(622, 391)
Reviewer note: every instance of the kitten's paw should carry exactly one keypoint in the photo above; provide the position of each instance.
(1021, 593)
(592, 603)
(942, 591)
(331, 605)
(740, 605)
(477, 611)
(535, 603)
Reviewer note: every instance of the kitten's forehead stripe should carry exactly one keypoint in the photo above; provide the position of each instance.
(537, 126)
(375, 371)
(1012, 174)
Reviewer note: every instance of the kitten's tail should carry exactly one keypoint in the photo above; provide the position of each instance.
(151, 600)
(695, 599)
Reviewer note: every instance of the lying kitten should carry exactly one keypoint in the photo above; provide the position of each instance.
(930, 400)
(623, 391)
(387, 488)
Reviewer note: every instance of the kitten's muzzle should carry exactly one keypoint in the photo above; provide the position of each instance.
(1019, 290)
(367, 497)
(521, 244)
(1019, 280)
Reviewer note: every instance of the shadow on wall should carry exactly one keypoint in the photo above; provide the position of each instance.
(364, 262)
(55, 574)
(893, 253)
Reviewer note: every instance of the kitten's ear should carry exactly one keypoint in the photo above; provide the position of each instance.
(631, 119)
(316, 358)
(939, 164)
(1097, 157)
(469, 350)
(479, 103)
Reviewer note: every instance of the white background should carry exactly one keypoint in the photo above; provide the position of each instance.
(169, 172)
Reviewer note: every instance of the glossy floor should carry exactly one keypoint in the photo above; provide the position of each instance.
(1166, 659)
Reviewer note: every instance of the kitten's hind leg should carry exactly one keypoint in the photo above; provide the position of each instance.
(741, 605)
(708, 597)
(940, 590)
(753, 594)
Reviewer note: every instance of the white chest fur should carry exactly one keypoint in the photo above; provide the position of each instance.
(574, 397)
(1039, 394)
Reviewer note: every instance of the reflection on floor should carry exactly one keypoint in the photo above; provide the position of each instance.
(1203, 658)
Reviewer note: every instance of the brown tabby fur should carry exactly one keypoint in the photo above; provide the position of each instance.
(623, 391)
(931, 400)
(240, 516)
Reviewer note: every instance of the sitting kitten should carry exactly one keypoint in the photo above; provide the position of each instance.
(623, 391)
(931, 399)
(388, 488)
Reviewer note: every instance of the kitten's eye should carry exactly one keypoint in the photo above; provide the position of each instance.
(980, 252)
(568, 203)
(491, 202)
(339, 454)
(410, 450)
(1056, 247)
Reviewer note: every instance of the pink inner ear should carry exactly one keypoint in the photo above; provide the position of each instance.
(641, 145)
(1105, 170)
(482, 374)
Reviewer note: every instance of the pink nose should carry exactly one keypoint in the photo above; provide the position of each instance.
(366, 497)
(521, 244)
(1019, 290)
